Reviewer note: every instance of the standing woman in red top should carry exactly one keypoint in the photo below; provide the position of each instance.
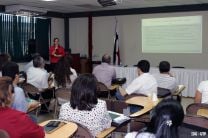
(56, 52)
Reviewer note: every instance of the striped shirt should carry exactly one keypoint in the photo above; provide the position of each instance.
(166, 81)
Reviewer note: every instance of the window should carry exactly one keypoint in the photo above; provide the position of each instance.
(15, 32)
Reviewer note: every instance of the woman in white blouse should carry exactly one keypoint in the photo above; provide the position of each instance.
(84, 107)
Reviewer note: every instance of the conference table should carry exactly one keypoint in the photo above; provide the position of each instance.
(188, 77)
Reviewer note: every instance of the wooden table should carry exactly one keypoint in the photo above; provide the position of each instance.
(63, 132)
(146, 102)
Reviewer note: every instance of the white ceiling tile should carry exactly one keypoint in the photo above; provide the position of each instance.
(92, 5)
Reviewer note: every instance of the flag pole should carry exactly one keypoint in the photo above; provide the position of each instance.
(116, 52)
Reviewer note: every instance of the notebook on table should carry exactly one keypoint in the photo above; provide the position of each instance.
(118, 119)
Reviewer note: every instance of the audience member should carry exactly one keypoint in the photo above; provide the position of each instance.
(30, 64)
(164, 122)
(3, 59)
(144, 84)
(11, 69)
(165, 79)
(56, 52)
(105, 72)
(64, 73)
(201, 95)
(37, 75)
(17, 124)
(84, 107)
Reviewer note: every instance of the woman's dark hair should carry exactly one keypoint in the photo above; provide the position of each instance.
(62, 71)
(83, 93)
(10, 69)
(165, 119)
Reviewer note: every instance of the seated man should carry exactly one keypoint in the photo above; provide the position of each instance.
(201, 95)
(144, 84)
(37, 75)
(165, 79)
(30, 64)
(105, 72)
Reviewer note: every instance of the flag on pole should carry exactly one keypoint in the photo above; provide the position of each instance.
(116, 52)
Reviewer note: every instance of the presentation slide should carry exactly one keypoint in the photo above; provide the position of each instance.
(172, 35)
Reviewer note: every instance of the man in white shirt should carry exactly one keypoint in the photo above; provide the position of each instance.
(164, 78)
(144, 84)
(105, 72)
(37, 75)
(30, 64)
(201, 95)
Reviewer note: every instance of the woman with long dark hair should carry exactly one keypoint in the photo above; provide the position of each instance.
(84, 107)
(64, 74)
(165, 119)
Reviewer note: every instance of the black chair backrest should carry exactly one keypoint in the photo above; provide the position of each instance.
(63, 93)
(115, 105)
(194, 107)
(82, 132)
(162, 92)
(101, 87)
(193, 126)
(30, 90)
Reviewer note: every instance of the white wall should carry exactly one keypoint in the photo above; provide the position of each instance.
(78, 35)
(57, 30)
(130, 40)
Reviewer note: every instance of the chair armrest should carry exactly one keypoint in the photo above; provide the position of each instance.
(141, 112)
(179, 90)
(33, 106)
(203, 112)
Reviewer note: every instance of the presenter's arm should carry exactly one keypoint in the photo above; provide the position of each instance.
(52, 51)
(61, 52)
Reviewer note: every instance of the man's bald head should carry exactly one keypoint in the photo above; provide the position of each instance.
(106, 58)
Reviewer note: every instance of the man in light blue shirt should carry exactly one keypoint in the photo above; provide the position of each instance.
(105, 72)
(11, 69)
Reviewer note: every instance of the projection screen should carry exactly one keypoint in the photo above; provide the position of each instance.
(172, 35)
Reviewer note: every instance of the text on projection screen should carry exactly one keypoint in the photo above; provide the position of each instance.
(172, 35)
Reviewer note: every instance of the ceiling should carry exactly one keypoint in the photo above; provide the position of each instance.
(70, 6)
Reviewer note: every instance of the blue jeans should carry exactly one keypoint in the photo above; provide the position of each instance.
(119, 96)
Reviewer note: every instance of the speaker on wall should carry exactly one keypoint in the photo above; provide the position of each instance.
(106, 3)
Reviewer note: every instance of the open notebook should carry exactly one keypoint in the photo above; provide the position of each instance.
(118, 119)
